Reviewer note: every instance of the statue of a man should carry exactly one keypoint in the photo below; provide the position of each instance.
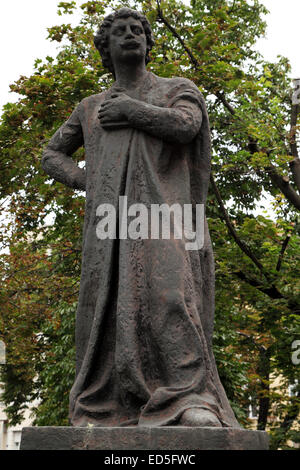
(145, 314)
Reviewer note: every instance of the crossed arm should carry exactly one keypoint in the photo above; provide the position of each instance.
(178, 124)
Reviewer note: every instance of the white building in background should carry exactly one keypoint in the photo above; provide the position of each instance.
(10, 436)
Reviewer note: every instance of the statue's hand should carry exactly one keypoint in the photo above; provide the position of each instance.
(115, 108)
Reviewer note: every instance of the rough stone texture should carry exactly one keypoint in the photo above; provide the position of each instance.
(139, 438)
(145, 314)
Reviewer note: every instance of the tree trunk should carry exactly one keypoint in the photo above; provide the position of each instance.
(263, 393)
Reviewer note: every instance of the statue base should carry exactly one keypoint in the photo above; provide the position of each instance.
(142, 438)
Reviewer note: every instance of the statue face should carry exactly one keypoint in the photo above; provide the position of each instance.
(127, 41)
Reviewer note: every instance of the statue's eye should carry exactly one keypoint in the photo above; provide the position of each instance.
(119, 31)
(136, 30)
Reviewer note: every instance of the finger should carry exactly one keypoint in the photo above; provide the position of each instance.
(119, 89)
(104, 108)
(106, 123)
(104, 115)
(106, 103)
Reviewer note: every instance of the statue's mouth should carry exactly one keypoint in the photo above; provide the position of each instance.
(130, 44)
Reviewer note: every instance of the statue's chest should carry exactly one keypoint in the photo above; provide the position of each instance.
(148, 95)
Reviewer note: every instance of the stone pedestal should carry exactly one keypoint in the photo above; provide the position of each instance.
(139, 438)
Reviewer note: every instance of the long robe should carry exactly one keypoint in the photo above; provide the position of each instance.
(145, 315)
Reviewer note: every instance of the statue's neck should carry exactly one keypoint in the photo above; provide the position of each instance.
(130, 76)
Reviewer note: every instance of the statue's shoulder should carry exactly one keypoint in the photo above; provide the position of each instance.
(87, 105)
(176, 87)
(92, 100)
(175, 83)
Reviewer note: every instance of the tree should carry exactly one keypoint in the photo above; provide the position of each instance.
(254, 136)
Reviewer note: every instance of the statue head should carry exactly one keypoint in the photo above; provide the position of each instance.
(140, 27)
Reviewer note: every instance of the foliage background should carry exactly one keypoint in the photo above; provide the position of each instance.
(255, 156)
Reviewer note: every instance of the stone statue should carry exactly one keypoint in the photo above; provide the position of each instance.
(146, 306)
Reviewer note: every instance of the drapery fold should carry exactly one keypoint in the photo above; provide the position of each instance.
(146, 307)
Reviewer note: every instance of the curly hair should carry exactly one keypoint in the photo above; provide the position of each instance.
(101, 39)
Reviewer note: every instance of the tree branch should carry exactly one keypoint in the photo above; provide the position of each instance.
(272, 291)
(293, 412)
(232, 230)
(294, 164)
(264, 385)
(283, 248)
(295, 169)
(294, 116)
(250, 339)
(223, 100)
(176, 35)
(276, 178)
(232, 8)
(264, 392)
(282, 183)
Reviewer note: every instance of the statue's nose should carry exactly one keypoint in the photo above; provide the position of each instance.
(129, 33)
